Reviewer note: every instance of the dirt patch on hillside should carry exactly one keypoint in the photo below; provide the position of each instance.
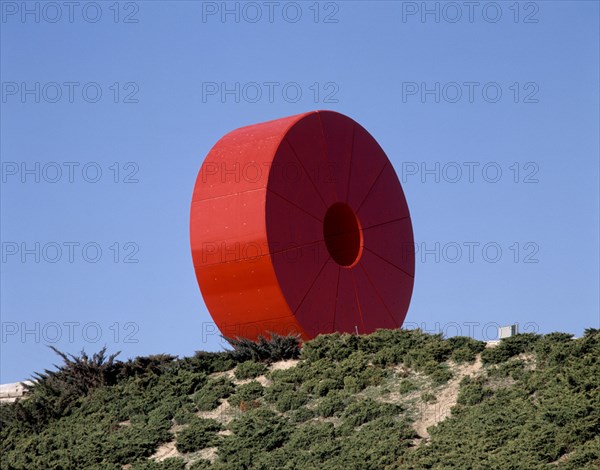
(431, 414)
(168, 450)
(282, 365)
(224, 413)
(165, 451)
(261, 379)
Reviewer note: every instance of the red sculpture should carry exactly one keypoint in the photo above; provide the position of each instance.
(300, 225)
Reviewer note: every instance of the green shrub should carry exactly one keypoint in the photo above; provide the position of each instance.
(509, 347)
(388, 357)
(199, 434)
(375, 445)
(181, 382)
(276, 389)
(369, 377)
(302, 414)
(249, 370)
(535, 412)
(406, 386)
(201, 464)
(275, 348)
(428, 355)
(295, 375)
(591, 333)
(440, 374)
(554, 348)
(333, 404)
(464, 348)
(352, 384)
(471, 392)
(286, 392)
(334, 347)
(357, 373)
(323, 387)
(586, 457)
(256, 431)
(207, 398)
(171, 463)
(55, 392)
(362, 411)
(183, 415)
(82, 441)
(206, 401)
(290, 400)
(246, 393)
(154, 364)
(208, 362)
(401, 340)
(304, 437)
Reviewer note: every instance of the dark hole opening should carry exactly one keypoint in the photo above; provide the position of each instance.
(342, 232)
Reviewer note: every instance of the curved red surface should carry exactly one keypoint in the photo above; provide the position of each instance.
(300, 225)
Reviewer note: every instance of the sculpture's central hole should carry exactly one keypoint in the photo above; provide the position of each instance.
(343, 235)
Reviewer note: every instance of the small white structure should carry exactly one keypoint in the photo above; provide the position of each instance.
(10, 392)
(508, 331)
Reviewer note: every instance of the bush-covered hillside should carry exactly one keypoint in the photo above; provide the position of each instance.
(393, 399)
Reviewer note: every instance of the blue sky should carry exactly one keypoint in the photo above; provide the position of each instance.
(140, 91)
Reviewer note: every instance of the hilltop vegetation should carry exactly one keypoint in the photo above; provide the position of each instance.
(340, 402)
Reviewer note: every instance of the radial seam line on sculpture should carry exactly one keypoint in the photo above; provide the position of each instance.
(295, 205)
(350, 164)
(380, 297)
(337, 291)
(325, 152)
(388, 262)
(307, 173)
(263, 321)
(372, 186)
(388, 222)
(311, 286)
(195, 201)
(362, 321)
(295, 247)
(372, 226)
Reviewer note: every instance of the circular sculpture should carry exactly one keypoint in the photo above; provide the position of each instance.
(300, 225)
